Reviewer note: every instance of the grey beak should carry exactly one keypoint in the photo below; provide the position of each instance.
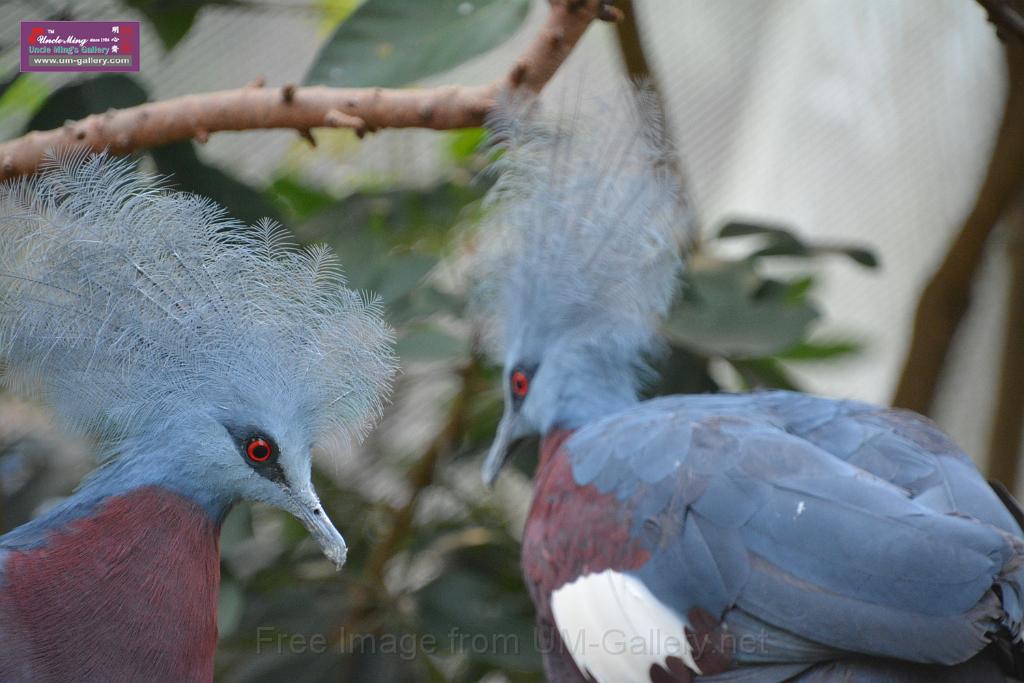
(311, 513)
(508, 430)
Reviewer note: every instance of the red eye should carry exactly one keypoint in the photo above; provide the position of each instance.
(520, 384)
(259, 450)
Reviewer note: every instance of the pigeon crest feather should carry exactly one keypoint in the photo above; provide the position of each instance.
(581, 242)
(129, 308)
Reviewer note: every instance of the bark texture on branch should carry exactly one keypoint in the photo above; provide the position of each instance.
(1005, 438)
(946, 297)
(304, 108)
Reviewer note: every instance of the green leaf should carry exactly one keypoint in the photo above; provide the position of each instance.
(864, 257)
(91, 96)
(783, 246)
(771, 289)
(797, 290)
(764, 373)
(721, 283)
(297, 200)
(390, 43)
(744, 229)
(426, 299)
(818, 351)
(389, 241)
(420, 218)
(395, 274)
(430, 343)
(682, 371)
(464, 143)
(333, 12)
(779, 241)
(741, 331)
(722, 314)
(7, 81)
(172, 19)
(24, 93)
(408, 271)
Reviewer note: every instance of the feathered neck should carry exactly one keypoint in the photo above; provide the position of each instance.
(584, 386)
(181, 476)
(119, 477)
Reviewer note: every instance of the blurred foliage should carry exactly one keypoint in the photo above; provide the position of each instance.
(432, 590)
(729, 311)
(394, 42)
(333, 12)
(22, 93)
(172, 19)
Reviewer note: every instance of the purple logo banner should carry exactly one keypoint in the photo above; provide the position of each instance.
(79, 46)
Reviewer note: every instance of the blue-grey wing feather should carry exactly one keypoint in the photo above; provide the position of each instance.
(825, 526)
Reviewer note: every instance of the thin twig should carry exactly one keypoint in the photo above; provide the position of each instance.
(362, 109)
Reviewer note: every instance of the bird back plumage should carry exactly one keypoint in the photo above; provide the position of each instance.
(127, 306)
(584, 228)
(812, 529)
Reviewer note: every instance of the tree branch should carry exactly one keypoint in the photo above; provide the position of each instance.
(302, 109)
(946, 297)
(1005, 438)
(1005, 17)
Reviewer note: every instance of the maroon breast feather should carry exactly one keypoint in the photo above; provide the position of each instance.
(128, 593)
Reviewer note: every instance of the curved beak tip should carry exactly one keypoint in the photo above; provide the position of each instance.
(337, 556)
(323, 531)
(333, 548)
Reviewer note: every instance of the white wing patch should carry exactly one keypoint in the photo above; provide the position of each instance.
(615, 629)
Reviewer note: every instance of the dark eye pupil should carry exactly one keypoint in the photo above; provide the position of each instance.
(259, 450)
